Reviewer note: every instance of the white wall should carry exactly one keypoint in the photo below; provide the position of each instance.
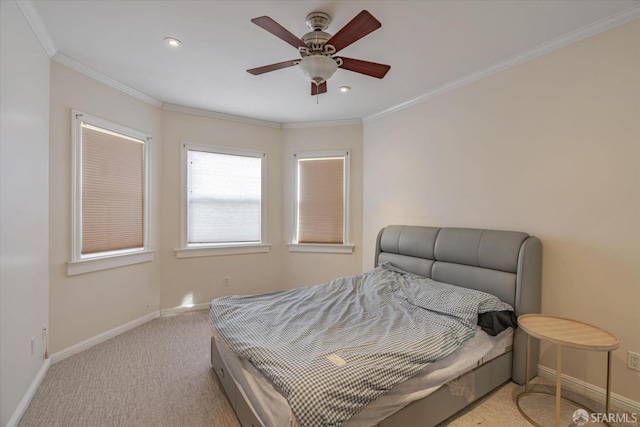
(24, 206)
(299, 268)
(550, 147)
(86, 305)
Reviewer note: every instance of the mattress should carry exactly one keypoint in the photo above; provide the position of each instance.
(270, 406)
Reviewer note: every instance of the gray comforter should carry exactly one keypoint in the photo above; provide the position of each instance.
(334, 348)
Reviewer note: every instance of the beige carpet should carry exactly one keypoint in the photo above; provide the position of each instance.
(498, 409)
(159, 374)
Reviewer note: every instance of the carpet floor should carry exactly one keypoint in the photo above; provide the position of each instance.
(159, 375)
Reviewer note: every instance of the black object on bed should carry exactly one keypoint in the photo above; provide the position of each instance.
(495, 322)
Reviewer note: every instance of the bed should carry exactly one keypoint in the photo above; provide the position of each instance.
(505, 264)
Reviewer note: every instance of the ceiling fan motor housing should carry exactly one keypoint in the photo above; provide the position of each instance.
(318, 21)
(316, 40)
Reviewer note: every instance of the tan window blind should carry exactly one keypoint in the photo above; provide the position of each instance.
(112, 191)
(321, 200)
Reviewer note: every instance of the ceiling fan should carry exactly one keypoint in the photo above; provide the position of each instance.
(318, 49)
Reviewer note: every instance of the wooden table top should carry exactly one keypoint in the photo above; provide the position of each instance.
(569, 332)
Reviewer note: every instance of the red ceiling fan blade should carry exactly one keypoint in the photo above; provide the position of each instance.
(273, 67)
(318, 89)
(363, 24)
(278, 30)
(372, 69)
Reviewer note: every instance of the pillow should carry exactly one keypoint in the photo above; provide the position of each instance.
(492, 322)
(388, 266)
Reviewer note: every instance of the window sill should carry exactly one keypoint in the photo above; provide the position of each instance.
(253, 248)
(103, 263)
(321, 248)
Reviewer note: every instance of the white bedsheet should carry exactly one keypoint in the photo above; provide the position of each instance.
(272, 408)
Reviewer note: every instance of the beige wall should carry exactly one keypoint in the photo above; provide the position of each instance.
(24, 208)
(551, 147)
(86, 305)
(311, 268)
(201, 279)
(198, 280)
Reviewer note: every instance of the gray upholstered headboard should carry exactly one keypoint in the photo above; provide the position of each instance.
(507, 264)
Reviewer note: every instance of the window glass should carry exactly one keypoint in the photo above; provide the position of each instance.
(224, 198)
(321, 200)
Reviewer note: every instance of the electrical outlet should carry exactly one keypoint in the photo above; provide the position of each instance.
(45, 342)
(33, 345)
(225, 281)
(633, 361)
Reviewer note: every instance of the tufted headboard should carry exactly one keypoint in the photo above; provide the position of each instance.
(507, 264)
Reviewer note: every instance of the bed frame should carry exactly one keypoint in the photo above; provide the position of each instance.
(507, 264)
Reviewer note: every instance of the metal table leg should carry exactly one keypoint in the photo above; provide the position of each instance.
(558, 383)
(608, 383)
(558, 396)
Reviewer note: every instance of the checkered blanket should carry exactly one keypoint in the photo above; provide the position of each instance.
(334, 348)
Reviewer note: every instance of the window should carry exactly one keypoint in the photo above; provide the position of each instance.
(321, 204)
(110, 195)
(223, 201)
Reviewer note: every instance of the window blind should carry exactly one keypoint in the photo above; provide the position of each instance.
(321, 200)
(224, 195)
(112, 191)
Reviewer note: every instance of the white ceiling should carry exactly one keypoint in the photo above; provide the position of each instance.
(429, 45)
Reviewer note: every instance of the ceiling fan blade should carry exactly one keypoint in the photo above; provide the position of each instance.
(363, 24)
(318, 89)
(372, 69)
(273, 67)
(278, 30)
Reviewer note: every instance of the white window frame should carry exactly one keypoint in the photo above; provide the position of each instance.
(228, 248)
(346, 247)
(79, 263)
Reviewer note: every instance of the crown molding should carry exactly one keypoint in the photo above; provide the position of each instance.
(33, 17)
(326, 123)
(81, 68)
(221, 116)
(256, 122)
(582, 33)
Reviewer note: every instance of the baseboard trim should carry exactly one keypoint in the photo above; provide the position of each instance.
(77, 348)
(183, 309)
(590, 390)
(26, 399)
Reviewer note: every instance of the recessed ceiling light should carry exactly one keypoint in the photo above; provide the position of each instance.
(172, 41)
(344, 88)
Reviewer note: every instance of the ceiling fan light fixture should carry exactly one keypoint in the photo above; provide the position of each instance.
(318, 68)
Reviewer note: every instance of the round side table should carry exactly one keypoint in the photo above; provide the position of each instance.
(564, 332)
